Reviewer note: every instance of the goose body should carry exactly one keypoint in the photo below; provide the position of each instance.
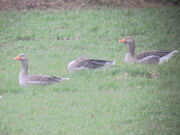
(148, 57)
(26, 79)
(85, 63)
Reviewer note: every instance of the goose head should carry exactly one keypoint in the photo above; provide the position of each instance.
(127, 40)
(21, 57)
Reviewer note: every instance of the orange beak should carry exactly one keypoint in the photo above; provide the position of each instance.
(17, 58)
(122, 40)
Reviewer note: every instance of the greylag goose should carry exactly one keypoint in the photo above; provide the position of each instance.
(148, 57)
(85, 63)
(25, 79)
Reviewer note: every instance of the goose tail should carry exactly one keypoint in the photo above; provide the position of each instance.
(110, 63)
(65, 78)
(167, 57)
(59, 79)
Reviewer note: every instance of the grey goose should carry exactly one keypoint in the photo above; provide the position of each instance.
(26, 79)
(148, 57)
(83, 63)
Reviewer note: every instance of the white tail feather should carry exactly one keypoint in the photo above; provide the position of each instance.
(108, 64)
(166, 57)
(65, 78)
(114, 62)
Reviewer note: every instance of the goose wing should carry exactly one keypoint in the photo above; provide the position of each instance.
(152, 53)
(152, 59)
(94, 63)
(43, 79)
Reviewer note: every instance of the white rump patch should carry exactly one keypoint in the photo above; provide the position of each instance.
(65, 78)
(166, 57)
(108, 64)
(114, 62)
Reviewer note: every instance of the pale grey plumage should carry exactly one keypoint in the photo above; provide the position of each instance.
(26, 79)
(148, 57)
(85, 63)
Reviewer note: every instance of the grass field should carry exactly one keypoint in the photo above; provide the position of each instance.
(122, 100)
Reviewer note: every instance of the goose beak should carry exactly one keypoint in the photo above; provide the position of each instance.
(122, 40)
(17, 58)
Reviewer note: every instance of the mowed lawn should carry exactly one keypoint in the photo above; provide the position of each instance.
(122, 100)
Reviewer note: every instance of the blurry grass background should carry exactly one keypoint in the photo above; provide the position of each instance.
(124, 99)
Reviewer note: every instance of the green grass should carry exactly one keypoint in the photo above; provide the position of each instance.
(122, 100)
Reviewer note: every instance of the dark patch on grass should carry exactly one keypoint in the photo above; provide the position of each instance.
(25, 38)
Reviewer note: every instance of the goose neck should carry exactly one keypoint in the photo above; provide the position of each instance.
(24, 70)
(132, 48)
